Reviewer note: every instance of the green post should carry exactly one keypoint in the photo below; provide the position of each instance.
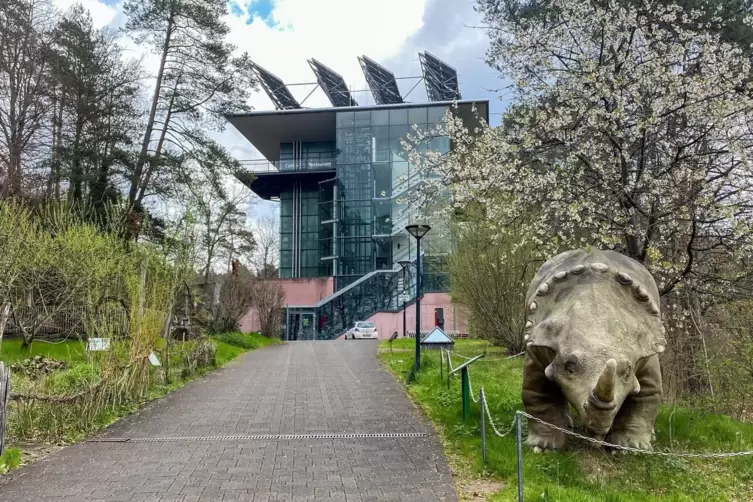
(466, 393)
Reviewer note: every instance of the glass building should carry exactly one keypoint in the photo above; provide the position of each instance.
(342, 177)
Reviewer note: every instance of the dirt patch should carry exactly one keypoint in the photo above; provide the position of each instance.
(479, 489)
(32, 452)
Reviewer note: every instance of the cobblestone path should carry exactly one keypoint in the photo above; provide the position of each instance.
(210, 441)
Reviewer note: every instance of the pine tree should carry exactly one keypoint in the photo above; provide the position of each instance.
(197, 81)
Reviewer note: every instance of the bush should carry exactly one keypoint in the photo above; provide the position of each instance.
(489, 277)
(80, 377)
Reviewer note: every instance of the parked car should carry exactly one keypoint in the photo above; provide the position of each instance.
(362, 329)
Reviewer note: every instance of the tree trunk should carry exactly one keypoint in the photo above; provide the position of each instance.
(4, 316)
(138, 170)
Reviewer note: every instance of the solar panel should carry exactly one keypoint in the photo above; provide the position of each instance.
(441, 79)
(275, 89)
(332, 84)
(381, 82)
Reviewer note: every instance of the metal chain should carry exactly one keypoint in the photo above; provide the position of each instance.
(630, 448)
(491, 420)
(470, 386)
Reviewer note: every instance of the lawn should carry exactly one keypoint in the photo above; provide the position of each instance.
(582, 473)
(71, 351)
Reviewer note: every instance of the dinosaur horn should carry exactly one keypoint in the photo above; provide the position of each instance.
(604, 390)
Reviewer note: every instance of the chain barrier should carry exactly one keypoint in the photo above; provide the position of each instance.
(635, 450)
(470, 386)
(491, 420)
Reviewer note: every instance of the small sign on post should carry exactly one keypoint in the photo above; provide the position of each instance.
(153, 359)
(97, 344)
(466, 385)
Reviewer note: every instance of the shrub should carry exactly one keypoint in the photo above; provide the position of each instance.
(71, 381)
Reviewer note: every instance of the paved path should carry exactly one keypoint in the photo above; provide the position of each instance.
(306, 388)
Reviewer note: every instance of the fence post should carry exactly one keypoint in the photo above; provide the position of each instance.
(448, 370)
(482, 399)
(441, 364)
(519, 434)
(466, 393)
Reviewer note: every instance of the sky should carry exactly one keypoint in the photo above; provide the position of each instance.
(281, 35)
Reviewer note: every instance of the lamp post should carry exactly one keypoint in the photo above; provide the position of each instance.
(418, 231)
(405, 264)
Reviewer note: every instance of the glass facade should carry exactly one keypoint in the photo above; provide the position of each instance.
(352, 226)
(373, 175)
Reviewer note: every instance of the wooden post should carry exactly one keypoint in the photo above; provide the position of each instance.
(4, 397)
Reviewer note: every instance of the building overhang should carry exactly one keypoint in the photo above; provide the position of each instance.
(269, 185)
(266, 130)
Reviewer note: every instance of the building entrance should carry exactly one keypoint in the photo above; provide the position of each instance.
(301, 326)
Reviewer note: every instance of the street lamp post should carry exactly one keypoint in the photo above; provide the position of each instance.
(404, 264)
(418, 231)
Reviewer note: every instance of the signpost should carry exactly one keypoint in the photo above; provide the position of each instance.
(466, 385)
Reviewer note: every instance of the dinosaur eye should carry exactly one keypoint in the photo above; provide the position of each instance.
(571, 364)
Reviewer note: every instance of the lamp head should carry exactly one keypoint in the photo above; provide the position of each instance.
(418, 231)
(404, 263)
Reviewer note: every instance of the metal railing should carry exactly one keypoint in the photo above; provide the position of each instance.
(324, 162)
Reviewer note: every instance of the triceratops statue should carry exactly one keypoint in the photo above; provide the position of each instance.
(593, 335)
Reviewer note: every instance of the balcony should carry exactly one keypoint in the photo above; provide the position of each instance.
(323, 162)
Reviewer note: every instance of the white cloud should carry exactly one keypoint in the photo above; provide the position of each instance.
(102, 14)
(334, 32)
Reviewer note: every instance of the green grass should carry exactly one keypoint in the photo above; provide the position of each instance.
(71, 351)
(9, 460)
(582, 473)
(247, 341)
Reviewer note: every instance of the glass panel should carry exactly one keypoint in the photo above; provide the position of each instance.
(380, 117)
(399, 116)
(436, 114)
(345, 119)
(363, 118)
(417, 115)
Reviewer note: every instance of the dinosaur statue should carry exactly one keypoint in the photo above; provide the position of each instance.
(593, 338)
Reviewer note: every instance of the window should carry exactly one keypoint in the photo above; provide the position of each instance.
(345, 119)
(399, 116)
(436, 114)
(365, 325)
(417, 115)
(380, 117)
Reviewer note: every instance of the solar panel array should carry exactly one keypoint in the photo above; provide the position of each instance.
(381, 82)
(441, 79)
(333, 84)
(275, 89)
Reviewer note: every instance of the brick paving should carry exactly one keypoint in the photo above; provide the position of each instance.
(297, 388)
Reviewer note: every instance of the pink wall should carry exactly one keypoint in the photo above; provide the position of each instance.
(297, 292)
(455, 318)
(310, 291)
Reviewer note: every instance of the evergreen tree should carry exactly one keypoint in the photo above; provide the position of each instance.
(197, 81)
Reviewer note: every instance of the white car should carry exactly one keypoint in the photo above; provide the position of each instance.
(362, 329)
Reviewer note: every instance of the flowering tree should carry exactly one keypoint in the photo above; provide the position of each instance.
(628, 131)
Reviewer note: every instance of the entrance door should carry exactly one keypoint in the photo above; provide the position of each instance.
(301, 326)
